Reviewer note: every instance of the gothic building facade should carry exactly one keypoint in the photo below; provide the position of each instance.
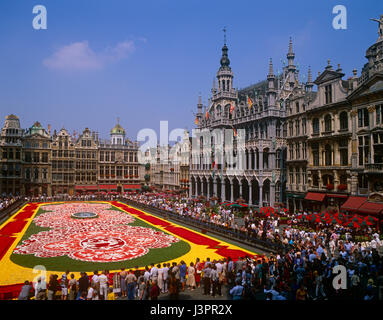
(257, 115)
(335, 139)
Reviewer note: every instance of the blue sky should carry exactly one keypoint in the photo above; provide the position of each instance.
(147, 61)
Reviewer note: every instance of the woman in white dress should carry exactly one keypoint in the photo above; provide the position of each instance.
(160, 279)
(190, 282)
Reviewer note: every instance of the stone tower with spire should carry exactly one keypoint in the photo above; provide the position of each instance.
(224, 76)
(271, 92)
(291, 68)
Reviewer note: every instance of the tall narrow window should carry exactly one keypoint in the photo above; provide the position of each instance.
(327, 123)
(315, 124)
(328, 94)
(328, 155)
(379, 114)
(343, 151)
(315, 152)
(343, 121)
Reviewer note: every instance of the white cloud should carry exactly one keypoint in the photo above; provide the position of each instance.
(80, 56)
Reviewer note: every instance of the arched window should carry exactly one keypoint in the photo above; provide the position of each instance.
(219, 110)
(343, 121)
(327, 123)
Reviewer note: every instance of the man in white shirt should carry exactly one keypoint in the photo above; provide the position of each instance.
(40, 289)
(103, 279)
(165, 275)
(153, 273)
(95, 278)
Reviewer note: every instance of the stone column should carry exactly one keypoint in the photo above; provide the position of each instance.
(191, 189)
(354, 183)
(223, 190)
(260, 162)
(250, 193)
(232, 191)
(260, 195)
(196, 188)
(272, 194)
(208, 189)
(215, 188)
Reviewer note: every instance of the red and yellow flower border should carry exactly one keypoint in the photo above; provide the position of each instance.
(12, 275)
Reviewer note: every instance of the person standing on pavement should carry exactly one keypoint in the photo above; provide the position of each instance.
(131, 284)
(83, 284)
(153, 273)
(64, 285)
(183, 271)
(190, 282)
(207, 279)
(104, 285)
(165, 269)
(154, 291)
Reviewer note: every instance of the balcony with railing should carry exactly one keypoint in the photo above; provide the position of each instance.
(374, 168)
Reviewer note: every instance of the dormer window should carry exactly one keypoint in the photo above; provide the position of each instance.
(328, 94)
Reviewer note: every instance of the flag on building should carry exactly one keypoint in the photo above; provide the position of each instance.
(250, 102)
(207, 115)
(235, 132)
(196, 120)
(231, 108)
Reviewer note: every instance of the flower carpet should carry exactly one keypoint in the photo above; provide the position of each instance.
(111, 236)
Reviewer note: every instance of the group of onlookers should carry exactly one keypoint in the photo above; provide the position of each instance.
(5, 202)
(298, 275)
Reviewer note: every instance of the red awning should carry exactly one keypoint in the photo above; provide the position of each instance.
(372, 208)
(314, 196)
(334, 195)
(108, 187)
(132, 186)
(86, 188)
(353, 203)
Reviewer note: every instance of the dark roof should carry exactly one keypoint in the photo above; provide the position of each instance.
(260, 87)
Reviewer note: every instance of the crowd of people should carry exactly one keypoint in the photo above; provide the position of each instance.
(303, 270)
(6, 202)
(295, 276)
